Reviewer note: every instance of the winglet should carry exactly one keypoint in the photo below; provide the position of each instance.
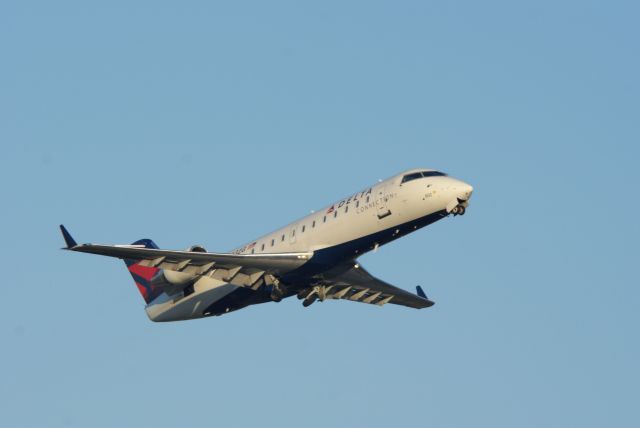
(68, 239)
(420, 292)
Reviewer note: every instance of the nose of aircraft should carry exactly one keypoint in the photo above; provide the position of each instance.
(465, 190)
(460, 189)
(457, 194)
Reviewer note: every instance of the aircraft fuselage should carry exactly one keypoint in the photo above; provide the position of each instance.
(336, 236)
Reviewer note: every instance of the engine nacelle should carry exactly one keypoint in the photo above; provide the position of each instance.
(172, 281)
(196, 249)
(178, 279)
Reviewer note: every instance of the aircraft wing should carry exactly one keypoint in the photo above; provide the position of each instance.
(195, 262)
(359, 285)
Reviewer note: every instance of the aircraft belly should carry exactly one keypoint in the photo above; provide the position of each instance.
(207, 291)
(366, 230)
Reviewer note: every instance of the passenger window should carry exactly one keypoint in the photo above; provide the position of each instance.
(282, 238)
(324, 220)
(335, 214)
(357, 204)
(262, 247)
(303, 228)
(313, 224)
(273, 242)
(346, 209)
(253, 251)
(368, 199)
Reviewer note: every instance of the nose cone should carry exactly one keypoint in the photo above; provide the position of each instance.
(460, 189)
(465, 190)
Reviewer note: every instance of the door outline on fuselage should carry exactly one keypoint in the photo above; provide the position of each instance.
(382, 198)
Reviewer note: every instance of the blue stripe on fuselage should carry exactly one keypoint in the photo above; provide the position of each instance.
(322, 261)
(330, 257)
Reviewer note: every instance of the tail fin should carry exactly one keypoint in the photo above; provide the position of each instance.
(142, 275)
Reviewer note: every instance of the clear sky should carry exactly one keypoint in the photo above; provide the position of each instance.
(210, 123)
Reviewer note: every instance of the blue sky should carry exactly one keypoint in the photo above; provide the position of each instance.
(194, 122)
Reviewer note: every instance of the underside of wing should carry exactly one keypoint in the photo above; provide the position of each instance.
(356, 284)
(182, 259)
(244, 268)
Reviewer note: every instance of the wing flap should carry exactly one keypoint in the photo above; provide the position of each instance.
(192, 262)
(357, 284)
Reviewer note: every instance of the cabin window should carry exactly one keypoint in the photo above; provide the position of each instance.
(346, 209)
(293, 232)
(368, 199)
(282, 237)
(313, 224)
(253, 251)
(335, 214)
(273, 242)
(304, 228)
(324, 220)
(357, 204)
(262, 247)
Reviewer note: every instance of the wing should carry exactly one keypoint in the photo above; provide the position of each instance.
(359, 285)
(245, 269)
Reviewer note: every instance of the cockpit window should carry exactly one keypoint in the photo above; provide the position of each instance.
(410, 177)
(416, 175)
(433, 174)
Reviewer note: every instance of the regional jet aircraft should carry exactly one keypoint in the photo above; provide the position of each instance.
(314, 258)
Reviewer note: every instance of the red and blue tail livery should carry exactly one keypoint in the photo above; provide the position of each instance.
(143, 275)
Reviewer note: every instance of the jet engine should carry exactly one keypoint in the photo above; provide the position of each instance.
(173, 281)
(178, 279)
(196, 249)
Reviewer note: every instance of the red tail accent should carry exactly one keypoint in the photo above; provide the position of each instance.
(145, 272)
(142, 275)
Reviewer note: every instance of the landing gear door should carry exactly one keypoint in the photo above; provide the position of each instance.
(382, 202)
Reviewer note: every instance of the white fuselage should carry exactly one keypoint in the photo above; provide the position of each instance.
(342, 231)
(385, 205)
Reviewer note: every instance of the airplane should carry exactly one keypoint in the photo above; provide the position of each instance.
(314, 258)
